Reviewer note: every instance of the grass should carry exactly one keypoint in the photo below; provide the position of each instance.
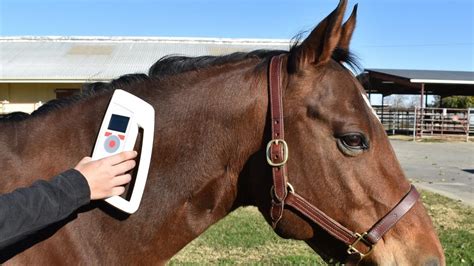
(244, 237)
(455, 225)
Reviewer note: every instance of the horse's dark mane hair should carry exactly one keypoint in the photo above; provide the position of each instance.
(344, 56)
(14, 116)
(168, 66)
(175, 64)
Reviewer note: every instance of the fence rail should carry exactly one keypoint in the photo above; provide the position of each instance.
(428, 122)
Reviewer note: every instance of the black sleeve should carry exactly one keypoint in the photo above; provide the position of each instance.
(27, 210)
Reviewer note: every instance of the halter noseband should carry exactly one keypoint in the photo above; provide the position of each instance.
(283, 192)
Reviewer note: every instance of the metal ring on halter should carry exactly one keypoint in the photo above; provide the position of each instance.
(288, 185)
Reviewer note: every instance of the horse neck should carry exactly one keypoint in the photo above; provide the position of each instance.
(44, 145)
(207, 130)
(207, 126)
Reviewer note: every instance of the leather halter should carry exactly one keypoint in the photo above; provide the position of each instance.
(359, 244)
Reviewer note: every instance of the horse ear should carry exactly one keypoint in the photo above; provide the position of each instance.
(347, 30)
(317, 48)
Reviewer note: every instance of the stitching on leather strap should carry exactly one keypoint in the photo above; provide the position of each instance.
(392, 217)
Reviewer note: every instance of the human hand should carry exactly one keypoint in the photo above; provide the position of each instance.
(106, 177)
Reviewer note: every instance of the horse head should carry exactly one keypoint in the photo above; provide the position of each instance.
(339, 157)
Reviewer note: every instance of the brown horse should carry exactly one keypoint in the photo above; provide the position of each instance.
(212, 126)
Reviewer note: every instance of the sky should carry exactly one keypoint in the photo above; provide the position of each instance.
(407, 34)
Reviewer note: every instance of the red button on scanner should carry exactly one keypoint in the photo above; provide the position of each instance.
(112, 144)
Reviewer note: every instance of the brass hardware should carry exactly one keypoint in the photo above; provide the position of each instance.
(360, 237)
(285, 152)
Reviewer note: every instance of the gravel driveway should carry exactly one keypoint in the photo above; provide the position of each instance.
(446, 168)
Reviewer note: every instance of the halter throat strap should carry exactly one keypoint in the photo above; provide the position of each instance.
(283, 194)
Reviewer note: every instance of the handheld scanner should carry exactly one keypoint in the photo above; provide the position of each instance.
(118, 132)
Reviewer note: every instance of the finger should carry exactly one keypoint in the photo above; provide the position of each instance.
(123, 167)
(120, 157)
(117, 191)
(121, 180)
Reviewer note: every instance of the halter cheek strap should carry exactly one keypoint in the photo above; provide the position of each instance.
(277, 149)
(283, 194)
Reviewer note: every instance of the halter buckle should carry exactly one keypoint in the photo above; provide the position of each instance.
(360, 237)
(285, 152)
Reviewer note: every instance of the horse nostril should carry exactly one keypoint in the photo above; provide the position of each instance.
(432, 262)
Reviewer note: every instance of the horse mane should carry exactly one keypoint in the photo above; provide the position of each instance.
(14, 116)
(176, 64)
(344, 56)
(166, 66)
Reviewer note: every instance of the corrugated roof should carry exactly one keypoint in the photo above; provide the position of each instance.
(430, 76)
(79, 59)
(404, 81)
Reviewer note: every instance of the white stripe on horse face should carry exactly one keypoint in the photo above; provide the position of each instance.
(370, 106)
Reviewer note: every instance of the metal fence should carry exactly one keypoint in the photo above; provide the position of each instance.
(428, 122)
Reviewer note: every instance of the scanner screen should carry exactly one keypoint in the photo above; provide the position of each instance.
(119, 123)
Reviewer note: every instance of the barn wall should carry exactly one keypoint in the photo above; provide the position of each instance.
(32, 92)
(25, 97)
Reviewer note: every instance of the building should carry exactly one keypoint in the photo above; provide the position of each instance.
(34, 70)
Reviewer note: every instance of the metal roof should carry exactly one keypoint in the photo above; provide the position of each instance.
(430, 76)
(86, 59)
(404, 81)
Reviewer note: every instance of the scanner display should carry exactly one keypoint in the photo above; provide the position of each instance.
(118, 123)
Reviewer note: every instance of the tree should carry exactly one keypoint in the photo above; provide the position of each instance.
(458, 102)
(396, 101)
(403, 101)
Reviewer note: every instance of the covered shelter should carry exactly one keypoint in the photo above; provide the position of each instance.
(422, 82)
(424, 120)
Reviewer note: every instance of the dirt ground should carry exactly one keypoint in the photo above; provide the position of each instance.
(446, 168)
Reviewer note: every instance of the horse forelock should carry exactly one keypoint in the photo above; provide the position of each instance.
(340, 55)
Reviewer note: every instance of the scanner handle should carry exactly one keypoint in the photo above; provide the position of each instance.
(146, 120)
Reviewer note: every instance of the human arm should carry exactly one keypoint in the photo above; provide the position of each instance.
(27, 210)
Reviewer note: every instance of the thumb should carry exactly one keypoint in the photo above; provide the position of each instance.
(85, 160)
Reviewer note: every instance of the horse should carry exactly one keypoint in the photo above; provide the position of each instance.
(213, 123)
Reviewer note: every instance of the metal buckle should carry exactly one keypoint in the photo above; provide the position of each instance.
(360, 237)
(285, 152)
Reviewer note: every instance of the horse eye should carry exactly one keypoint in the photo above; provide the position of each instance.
(354, 141)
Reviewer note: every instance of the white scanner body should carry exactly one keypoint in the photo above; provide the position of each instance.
(118, 132)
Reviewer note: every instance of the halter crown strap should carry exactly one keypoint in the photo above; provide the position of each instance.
(283, 193)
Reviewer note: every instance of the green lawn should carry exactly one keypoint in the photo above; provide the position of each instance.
(244, 237)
